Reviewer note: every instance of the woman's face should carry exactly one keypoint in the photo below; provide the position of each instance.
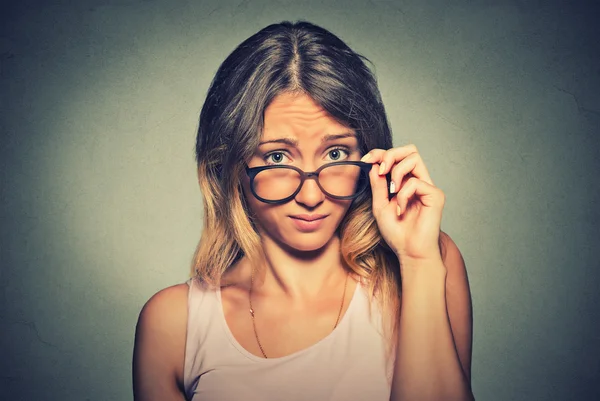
(298, 132)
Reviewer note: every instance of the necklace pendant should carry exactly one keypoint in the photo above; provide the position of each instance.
(252, 312)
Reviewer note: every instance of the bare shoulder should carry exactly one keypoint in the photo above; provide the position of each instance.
(164, 315)
(458, 297)
(160, 345)
(450, 253)
(167, 304)
(454, 262)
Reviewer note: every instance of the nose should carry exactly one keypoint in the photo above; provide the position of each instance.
(310, 194)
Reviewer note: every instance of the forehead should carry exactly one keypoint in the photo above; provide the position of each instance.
(298, 116)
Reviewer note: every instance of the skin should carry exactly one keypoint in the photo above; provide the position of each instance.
(297, 295)
(433, 354)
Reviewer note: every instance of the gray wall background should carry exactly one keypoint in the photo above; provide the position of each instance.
(100, 206)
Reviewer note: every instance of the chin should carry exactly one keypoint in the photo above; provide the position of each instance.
(311, 242)
(308, 246)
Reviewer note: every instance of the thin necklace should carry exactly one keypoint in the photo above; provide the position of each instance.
(252, 309)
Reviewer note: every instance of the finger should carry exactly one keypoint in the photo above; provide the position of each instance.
(411, 164)
(396, 155)
(373, 156)
(376, 155)
(427, 194)
(387, 158)
(379, 189)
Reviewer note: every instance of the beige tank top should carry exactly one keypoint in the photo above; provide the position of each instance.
(347, 365)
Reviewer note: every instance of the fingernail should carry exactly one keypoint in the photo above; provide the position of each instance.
(366, 157)
(392, 187)
(381, 168)
(398, 210)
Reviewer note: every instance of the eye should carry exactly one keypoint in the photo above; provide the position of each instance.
(336, 153)
(274, 157)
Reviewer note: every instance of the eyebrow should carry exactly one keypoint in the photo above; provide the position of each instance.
(294, 142)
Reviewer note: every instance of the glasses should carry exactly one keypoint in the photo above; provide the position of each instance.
(279, 184)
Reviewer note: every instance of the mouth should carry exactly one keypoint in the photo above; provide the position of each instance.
(308, 224)
(306, 217)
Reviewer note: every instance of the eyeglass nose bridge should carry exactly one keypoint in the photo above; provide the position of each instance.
(312, 175)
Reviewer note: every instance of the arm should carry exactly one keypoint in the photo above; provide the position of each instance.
(160, 345)
(433, 359)
(460, 309)
(433, 349)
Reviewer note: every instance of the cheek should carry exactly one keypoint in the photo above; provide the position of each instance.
(341, 207)
(263, 213)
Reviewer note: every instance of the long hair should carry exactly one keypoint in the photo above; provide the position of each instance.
(288, 57)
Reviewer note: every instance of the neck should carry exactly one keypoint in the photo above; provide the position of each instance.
(299, 274)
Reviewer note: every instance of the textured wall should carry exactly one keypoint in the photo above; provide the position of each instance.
(100, 206)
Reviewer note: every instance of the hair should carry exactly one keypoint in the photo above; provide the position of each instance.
(289, 57)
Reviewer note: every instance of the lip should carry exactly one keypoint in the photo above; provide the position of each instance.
(305, 225)
(309, 217)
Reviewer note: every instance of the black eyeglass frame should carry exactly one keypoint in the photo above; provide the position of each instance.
(253, 171)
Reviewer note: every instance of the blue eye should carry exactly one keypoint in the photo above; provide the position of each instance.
(335, 153)
(274, 158)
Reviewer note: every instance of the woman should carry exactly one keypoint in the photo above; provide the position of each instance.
(322, 273)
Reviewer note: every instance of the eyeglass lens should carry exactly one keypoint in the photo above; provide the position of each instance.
(338, 180)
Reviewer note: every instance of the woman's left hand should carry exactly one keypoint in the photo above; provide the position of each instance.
(410, 221)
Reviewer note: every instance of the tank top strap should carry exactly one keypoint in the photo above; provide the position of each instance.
(203, 310)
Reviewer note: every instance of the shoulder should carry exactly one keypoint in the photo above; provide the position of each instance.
(457, 281)
(459, 304)
(168, 306)
(449, 249)
(452, 257)
(160, 337)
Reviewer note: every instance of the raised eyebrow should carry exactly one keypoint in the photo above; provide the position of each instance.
(288, 141)
(294, 142)
(333, 137)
